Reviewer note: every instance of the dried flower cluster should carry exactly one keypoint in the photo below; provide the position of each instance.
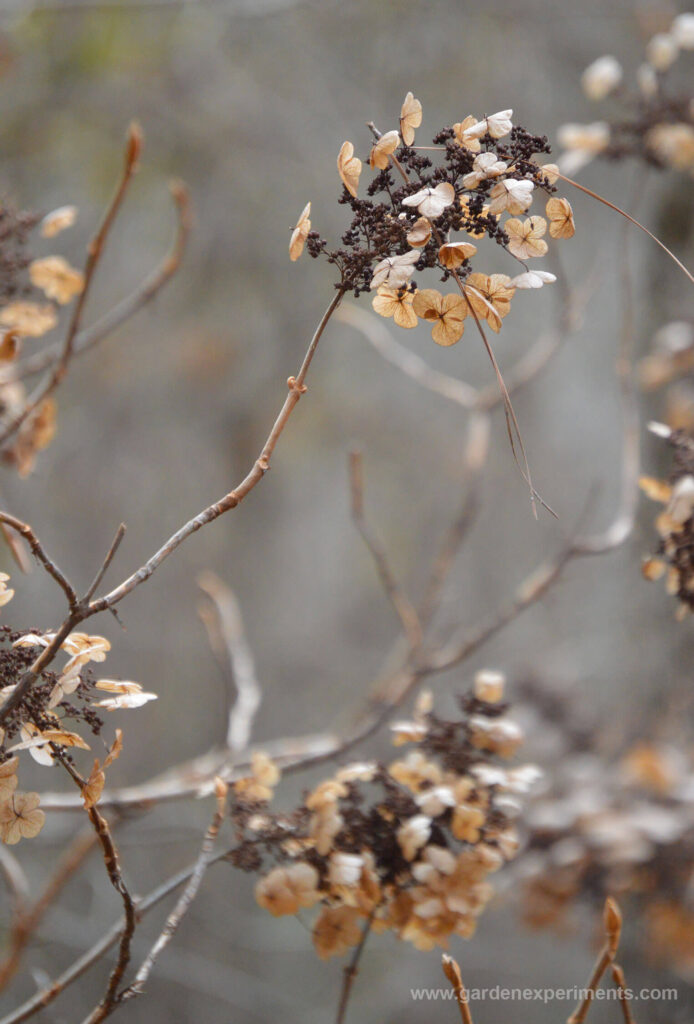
(628, 828)
(406, 847)
(26, 318)
(428, 208)
(674, 559)
(38, 724)
(656, 126)
(670, 365)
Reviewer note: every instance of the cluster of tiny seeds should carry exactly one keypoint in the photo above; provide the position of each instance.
(656, 127)
(406, 847)
(674, 559)
(15, 227)
(425, 212)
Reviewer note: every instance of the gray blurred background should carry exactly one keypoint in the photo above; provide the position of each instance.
(249, 102)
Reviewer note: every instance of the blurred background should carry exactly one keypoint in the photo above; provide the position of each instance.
(248, 102)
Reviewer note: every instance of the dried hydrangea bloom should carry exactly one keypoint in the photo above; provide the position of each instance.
(525, 237)
(489, 686)
(661, 51)
(513, 195)
(420, 233)
(28, 319)
(397, 304)
(336, 931)
(349, 168)
(446, 312)
(459, 133)
(601, 77)
(453, 254)
(56, 278)
(496, 126)
(394, 271)
(410, 118)
(532, 279)
(486, 165)
(20, 818)
(561, 218)
(673, 144)
(382, 149)
(582, 142)
(490, 297)
(58, 220)
(8, 778)
(259, 786)
(431, 202)
(6, 594)
(300, 234)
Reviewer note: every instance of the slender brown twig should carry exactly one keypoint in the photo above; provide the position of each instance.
(452, 972)
(612, 920)
(352, 969)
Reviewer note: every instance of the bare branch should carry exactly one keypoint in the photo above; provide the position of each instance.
(39, 553)
(227, 637)
(94, 253)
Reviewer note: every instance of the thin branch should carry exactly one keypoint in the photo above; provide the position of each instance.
(352, 969)
(452, 972)
(185, 900)
(224, 625)
(110, 555)
(613, 924)
(621, 983)
(89, 337)
(402, 605)
(39, 553)
(234, 498)
(94, 253)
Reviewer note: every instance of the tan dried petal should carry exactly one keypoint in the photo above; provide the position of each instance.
(8, 778)
(396, 303)
(420, 233)
(382, 149)
(349, 168)
(490, 297)
(459, 130)
(28, 319)
(561, 218)
(20, 818)
(56, 278)
(410, 118)
(453, 254)
(300, 234)
(58, 220)
(447, 312)
(525, 237)
(656, 490)
(336, 930)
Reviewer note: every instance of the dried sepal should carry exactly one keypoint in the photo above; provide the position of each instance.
(300, 234)
(431, 202)
(420, 233)
(525, 237)
(656, 490)
(446, 312)
(349, 168)
(453, 254)
(28, 319)
(8, 778)
(6, 594)
(382, 149)
(410, 118)
(490, 297)
(20, 818)
(56, 278)
(394, 271)
(473, 144)
(58, 220)
(395, 303)
(561, 218)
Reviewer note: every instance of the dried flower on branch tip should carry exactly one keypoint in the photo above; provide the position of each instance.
(496, 126)
(20, 818)
(453, 254)
(431, 202)
(490, 297)
(601, 77)
(410, 118)
(382, 150)
(447, 312)
(397, 304)
(56, 278)
(58, 220)
(394, 271)
(411, 853)
(300, 234)
(28, 319)
(525, 237)
(349, 168)
(561, 218)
